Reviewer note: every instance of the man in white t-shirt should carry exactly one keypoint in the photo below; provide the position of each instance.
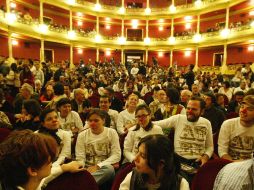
(236, 138)
(193, 140)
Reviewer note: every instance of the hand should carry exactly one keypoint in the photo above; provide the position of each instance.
(72, 167)
(93, 169)
(203, 159)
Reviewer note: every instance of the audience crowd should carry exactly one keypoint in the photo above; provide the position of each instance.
(101, 115)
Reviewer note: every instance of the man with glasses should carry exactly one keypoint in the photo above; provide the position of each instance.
(236, 138)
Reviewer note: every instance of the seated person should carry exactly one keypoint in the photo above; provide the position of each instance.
(143, 128)
(98, 148)
(193, 140)
(236, 137)
(126, 118)
(50, 125)
(48, 94)
(105, 106)
(156, 166)
(69, 120)
(238, 175)
(29, 117)
(79, 98)
(234, 104)
(4, 121)
(25, 159)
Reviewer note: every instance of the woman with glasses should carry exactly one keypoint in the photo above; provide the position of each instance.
(97, 148)
(143, 128)
(156, 167)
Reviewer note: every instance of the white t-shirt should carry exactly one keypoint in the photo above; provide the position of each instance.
(71, 121)
(125, 118)
(113, 116)
(125, 185)
(191, 139)
(102, 149)
(236, 140)
(132, 139)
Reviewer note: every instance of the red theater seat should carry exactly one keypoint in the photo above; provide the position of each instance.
(73, 181)
(120, 176)
(4, 132)
(206, 175)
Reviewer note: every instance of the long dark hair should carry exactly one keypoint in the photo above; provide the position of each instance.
(150, 124)
(165, 152)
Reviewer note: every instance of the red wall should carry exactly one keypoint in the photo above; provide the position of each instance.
(22, 51)
(162, 61)
(58, 19)
(180, 60)
(113, 31)
(155, 33)
(4, 47)
(205, 57)
(239, 55)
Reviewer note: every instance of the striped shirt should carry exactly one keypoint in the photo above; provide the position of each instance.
(236, 176)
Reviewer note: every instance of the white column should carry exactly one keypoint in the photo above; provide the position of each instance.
(97, 54)
(10, 45)
(171, 57)
(227, 18)
(146, 58)
(224, 63)
(70, 20)
(122, 29)
(41, 12)
(172, 27)
(8, 6)
(71, 57)
(147, 28)
(196, 60)
(97, 25)
(42, 56)
(198, 25)
(122, 3)
(122, 56)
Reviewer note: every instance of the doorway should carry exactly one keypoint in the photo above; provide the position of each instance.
(49, 55)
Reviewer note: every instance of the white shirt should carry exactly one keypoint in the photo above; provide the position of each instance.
(102, 149)
(125, 185)
(113, 116)
(236, 140)
(71, 121)
(124, 118)
(191, 139)
(132, 139)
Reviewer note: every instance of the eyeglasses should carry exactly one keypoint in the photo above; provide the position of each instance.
(142, 116)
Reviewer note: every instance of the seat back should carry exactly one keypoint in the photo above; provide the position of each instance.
(206, 175)
(120, 176)
(4, 132)
(73, 181)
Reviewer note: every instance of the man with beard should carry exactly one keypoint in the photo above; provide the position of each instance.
(236, 138)
(193, 140)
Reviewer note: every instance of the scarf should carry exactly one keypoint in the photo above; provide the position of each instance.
(51, 132)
